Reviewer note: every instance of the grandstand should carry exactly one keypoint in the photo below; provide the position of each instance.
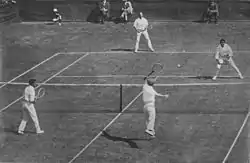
(174, 10)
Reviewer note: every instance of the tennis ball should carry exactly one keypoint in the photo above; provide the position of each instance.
(178, 65)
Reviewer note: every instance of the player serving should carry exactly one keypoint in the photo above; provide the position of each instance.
(141, 27)
(149, 104)
(224, 56)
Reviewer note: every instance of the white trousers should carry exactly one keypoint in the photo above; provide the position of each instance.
(138, 37)
(230, 62)
(29, 110)
(150, 115)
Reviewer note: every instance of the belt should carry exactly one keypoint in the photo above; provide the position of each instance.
(148, 103)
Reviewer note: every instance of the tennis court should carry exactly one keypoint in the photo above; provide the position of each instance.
(85, 92)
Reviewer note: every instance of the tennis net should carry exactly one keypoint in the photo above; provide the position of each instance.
(184, 99)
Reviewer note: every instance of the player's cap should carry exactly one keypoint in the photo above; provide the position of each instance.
(32, 81)
(151, 80)
(55, 10)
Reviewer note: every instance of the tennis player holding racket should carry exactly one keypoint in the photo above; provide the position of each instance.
(148, 97)
(141, 27)
(224, 56)
(29, 109)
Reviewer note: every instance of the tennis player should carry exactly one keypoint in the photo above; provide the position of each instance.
(224, 56)
(149, 94)
(29, 109)
(141, 27)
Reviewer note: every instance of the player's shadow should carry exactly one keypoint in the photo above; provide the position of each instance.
(129, 141)
(122, 49)
(128, 50)
(201, 77)
(14, 131)
(50, 23)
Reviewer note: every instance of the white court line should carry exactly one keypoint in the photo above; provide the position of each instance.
(237, 136)
(15, 101)
(136, 76)
(167, 21)
(30, 69)
(133, 85)
(148, 52)
(107, 126)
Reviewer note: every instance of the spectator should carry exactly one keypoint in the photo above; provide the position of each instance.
(212, 12)
(57, 17)
(104, 7)
(127, 10)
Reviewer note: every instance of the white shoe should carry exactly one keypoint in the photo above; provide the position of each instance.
(136, 51)
(215, 77)
(40, 132)
(151, 133)
(152, 50)
(241, 77)
(20, 132)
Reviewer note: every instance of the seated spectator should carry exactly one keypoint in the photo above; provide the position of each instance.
(104, 7)
(127, 10)
(7, 2)
(212, 12)
(57, 17)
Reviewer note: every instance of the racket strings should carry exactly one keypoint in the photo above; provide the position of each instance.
(40, 93)
(157, 68)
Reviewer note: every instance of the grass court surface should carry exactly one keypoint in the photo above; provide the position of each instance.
(198, 123)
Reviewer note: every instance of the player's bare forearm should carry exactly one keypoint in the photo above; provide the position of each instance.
(161, 95)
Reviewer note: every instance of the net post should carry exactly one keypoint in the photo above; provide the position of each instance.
(120, 97)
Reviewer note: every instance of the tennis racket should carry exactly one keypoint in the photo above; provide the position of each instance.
(40, 93)
(150, 27)
(156, 68)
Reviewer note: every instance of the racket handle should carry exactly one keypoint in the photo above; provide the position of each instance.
(150, 73)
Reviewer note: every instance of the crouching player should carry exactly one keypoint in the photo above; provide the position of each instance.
(57, 17)
(149, 104)
(224, 56)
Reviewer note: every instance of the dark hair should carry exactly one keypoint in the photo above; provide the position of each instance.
(32, 81)
(222, 40)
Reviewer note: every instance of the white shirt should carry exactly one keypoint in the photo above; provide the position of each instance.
(129, 8)
(141, 24)
(223, 51)
(148, 94)
(29, 93)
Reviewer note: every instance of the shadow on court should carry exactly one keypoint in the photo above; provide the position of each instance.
(130, 141)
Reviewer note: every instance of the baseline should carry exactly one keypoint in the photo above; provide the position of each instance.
(148, 52)
(138, 76)
(27, 71)
(43, 83)
(132, 85)
(165, 21)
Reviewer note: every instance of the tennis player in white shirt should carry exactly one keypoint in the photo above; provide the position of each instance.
(141, 27)
(224, 56)
(29, 109)
(149, 94)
